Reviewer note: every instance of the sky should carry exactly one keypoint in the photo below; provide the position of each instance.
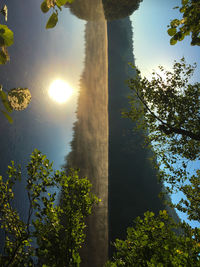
(152, 47)
(151, 41)
(38, 57)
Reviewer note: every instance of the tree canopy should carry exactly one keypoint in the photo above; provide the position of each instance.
(52, 234)
(168, 107)
(153, 242)
(118, 9)
(188, 24)
(89, 10)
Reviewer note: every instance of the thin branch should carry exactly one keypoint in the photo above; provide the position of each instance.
(168, 129)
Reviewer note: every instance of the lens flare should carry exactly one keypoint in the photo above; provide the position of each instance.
(60, 91)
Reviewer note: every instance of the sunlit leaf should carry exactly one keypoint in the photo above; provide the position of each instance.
(52, 21)
(7, 106)
(19, 98)
(61, 2)
(7, 35)
(180, 36)
(172, 31)
(3, 58)
(182, 9)
(184, 2)
(4, 11)
(3, 95)
(44, 7)
(173, 42)
(7, 116)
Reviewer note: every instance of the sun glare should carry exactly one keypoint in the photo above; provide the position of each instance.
(60, 91)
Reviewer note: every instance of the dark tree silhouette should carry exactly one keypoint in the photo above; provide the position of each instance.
(117, 9)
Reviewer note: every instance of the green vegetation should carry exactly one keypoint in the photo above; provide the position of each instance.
(168, 108)
(53, 5)
(89, 10)
(15, 99)
(188, 24)
(153, 242)
(118, 9)
(6, 38)
(52, 235)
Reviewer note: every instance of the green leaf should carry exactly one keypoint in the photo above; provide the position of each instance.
(180, 36)
(5, 102)
(172, 31)
(184, 2)
(7, 106)
(52, 21)
(182, 9)
(3, 95)
(3, 58)
(7, 116)
(7, 35)
(61, 2)
(44, 7)
(172, 41)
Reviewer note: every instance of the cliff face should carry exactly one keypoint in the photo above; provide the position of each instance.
(133, 187)
(90, 141)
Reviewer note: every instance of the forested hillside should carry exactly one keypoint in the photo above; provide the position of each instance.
(90, 140)
(133, 186)
(118, 9)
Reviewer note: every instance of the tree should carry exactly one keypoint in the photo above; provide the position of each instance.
(168, 108)
(119, 9)
(89, 10)
(153, 242)
(188, 24)
(52, 234)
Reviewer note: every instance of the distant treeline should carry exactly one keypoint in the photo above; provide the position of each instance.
(118, 9)
(89, 10)
(113, 9)
(90, 141)
(133, 185)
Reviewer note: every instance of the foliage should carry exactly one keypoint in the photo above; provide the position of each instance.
(119, 9)
(14, 99)
(188, 24)
(89, 10)
(55, 5)
(57, 231)
(153, 242)
(19, 98)
(169, 109)
(6, 38)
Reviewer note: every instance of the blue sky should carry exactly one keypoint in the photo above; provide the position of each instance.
(151, 41)
(152, 48)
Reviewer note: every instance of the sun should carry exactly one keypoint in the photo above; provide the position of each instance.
(60, 91)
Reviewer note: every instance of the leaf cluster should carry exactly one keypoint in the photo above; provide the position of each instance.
(153, 242)
(6, 39)
(14, 99)
(188, 24)
(57, 230)
(118, 9)
(55, 5)
(168, 109)
(170, 106)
